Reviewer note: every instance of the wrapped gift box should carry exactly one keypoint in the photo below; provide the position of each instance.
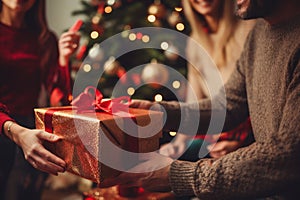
(85, 138)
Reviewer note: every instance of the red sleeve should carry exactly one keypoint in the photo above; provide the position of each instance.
(242, 133)
(3, 116)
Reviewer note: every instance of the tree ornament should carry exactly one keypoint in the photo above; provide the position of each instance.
(155, 74)
(96, 53)
(157, 9)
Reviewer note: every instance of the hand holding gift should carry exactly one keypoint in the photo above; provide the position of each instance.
(152, 175)
(31, 143)
(101, 137)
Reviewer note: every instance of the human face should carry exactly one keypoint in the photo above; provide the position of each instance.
(18, 5)
(206, 7)
(251, 9)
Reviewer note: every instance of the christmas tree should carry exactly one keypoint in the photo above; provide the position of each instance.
(105, 18)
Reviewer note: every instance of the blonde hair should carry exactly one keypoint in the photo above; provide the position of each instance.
(226, 27)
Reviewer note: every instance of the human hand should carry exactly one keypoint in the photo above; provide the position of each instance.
(145, 104)
(68, 44)
(222, 148)
(152, 175)
(31, 143)
(176, 148)
(172, 150)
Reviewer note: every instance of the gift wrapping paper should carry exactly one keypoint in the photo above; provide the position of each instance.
(82, 137)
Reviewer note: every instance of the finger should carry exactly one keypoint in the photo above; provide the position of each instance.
(219, 146)
(171, 151)
(64, 39)
(46, 166)
(214, 154)
(48, 136)
(216, 137)
(68, 44)
(181, 150)
(50, 157)
(135, 103)
(163, 151)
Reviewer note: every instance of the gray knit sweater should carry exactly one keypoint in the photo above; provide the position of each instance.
(266, 86)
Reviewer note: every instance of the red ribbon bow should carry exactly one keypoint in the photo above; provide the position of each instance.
(94, 101)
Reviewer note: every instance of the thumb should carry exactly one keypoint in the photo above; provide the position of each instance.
(48, 136)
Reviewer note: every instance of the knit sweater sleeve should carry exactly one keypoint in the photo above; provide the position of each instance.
(265, 168)
(222, 113)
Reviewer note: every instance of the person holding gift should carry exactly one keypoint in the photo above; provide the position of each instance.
(264, 86)
(30, 60)
(216, 28)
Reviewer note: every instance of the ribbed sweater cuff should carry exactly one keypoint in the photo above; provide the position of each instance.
(182, 177)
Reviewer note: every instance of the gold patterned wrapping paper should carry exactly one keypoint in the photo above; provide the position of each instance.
(82, 134)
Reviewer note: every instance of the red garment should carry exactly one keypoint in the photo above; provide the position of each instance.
(21, 73)
(242, 133)
(3, 116)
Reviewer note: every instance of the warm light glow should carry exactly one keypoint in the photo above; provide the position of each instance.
(164, 45)
(139, 35)
(70, 97)
(180, 26)
(111, 2)
(96, 19)
(94, 35)
(158, 97)
(125, 34)
(130, 91)
(87, 68)
(108, 9)
(153, 9)
(132, 37)
(178, 9)
(145, 38)
(172, 133)
(176, 84)
(127, 27)
(151, 18)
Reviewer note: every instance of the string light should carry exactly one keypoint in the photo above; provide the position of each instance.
(108, 9)
(139, 36)
(178, 9)
(151, 18)
(130, 91)
(158, 98)
(96, 19)
(176, 84)
(125, 34)
(111, 2)
(132, 37)
(180, 26)
(94, 34)
(164, 45)
(172, 133)
(146, 38)
(87, 68)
